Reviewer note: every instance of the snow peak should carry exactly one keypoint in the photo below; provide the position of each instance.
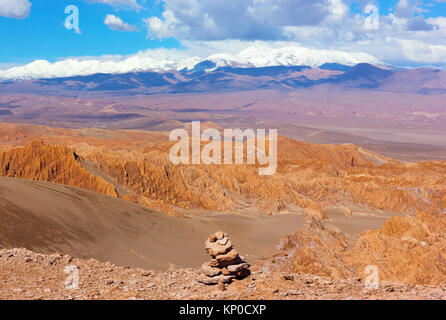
(200, 311)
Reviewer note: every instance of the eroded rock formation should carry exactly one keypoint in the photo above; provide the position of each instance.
(309, 176)
(38, 161)
(406, 249)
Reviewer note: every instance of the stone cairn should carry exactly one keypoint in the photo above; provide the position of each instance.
(225, 265)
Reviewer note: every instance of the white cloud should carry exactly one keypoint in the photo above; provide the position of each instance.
(15, 8)
(405, 52)
(116, 23)
(166, 28)
(404, 36)
(128, 4)
(241, 19)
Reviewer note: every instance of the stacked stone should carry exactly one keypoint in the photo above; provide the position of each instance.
(226, 264)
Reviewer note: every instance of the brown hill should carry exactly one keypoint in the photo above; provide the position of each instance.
(309, 176)
(405, 249)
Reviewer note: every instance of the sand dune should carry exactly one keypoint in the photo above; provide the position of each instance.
(48, 218)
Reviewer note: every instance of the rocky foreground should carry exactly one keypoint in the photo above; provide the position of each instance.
(27, 275)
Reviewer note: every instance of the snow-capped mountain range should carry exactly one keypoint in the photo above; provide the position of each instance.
(252, 57)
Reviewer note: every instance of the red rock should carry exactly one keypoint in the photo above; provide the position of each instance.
(232, 257)
(215, 249)
(214, 280)
(210, 271)
(220, 235)
(237, 267)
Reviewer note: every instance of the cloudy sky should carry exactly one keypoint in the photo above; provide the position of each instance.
(399, 32)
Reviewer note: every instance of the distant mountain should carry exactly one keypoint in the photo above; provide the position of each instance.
(102, 82)
(363, 75)
(265, 71)
(204, 66)
(201, 78)
(424, 80)
(260, 56)
(257, 56)
(334, 67)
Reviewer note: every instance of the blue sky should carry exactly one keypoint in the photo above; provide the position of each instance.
(42, 34)
(38, 32)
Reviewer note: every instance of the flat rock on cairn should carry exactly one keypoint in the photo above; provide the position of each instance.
(225, 265)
